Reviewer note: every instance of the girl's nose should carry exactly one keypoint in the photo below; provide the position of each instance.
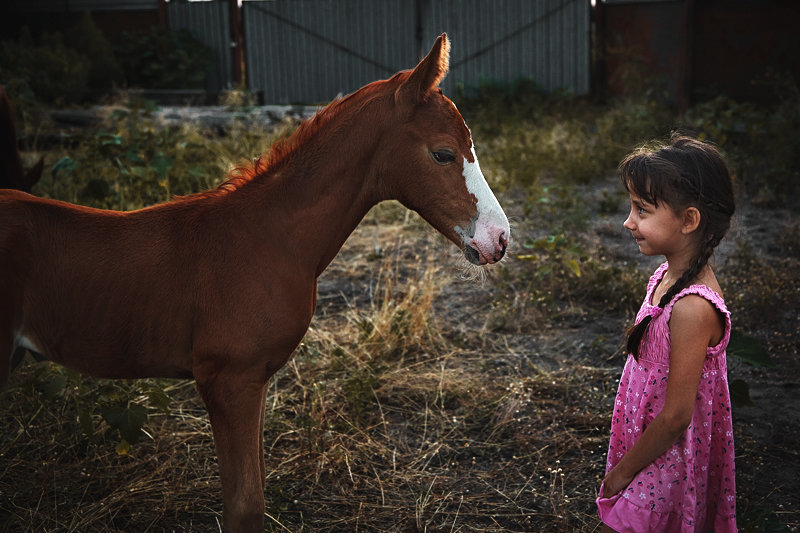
(628, 224)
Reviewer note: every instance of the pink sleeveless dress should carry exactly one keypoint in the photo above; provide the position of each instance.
(691, 487)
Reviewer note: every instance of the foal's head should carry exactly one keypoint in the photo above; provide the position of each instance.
(433, 168)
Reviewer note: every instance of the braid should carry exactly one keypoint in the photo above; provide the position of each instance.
(636, 333)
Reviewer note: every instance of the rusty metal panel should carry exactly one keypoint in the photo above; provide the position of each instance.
(644, 47)
(691, 50)
(743, 48)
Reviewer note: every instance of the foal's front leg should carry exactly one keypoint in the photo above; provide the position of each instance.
(235, 407)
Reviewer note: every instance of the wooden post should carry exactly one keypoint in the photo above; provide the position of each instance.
(162, 14)
(598, 51)
(684, 88)
(237, 43)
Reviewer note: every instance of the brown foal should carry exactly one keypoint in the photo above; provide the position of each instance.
(220, 286)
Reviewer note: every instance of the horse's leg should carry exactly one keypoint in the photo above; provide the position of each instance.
(234, 403)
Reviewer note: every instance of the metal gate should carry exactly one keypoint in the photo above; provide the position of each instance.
(309, 51)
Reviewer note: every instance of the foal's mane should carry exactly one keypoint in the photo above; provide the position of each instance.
(283, 150)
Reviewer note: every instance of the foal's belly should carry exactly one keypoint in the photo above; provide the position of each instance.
(109, 359)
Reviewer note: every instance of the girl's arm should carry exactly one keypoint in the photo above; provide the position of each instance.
(693, 326)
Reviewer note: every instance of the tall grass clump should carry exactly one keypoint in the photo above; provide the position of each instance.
(399, 320)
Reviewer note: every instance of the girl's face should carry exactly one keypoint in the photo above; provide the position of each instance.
(657, 230)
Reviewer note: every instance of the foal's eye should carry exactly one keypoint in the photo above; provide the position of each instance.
(443, 156)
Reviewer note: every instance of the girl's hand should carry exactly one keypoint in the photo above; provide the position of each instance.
(614, 482)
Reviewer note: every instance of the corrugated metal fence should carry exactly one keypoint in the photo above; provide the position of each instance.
(311, 50)
(209, 22)
(546, 40)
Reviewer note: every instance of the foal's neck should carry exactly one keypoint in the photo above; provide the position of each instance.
(316, 198)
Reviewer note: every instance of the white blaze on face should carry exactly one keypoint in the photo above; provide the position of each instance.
(491, 225)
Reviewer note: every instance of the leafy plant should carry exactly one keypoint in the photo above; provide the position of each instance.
(132, 162)
(750, 351)
(124, 406)
(558, 256)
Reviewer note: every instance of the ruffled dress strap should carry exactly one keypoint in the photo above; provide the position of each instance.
(655, 279)
(647, 308)
(716, 300)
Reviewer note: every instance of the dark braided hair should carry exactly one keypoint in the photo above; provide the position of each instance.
(685, 173)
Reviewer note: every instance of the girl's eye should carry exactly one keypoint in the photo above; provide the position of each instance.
(443, 157)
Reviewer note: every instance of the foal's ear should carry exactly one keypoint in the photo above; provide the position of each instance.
(427, 75)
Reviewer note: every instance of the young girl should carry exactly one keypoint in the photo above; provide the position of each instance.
(670, 459)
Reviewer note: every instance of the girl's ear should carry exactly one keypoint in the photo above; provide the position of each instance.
(691, 220)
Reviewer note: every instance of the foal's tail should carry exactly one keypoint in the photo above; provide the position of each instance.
(12, 175)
